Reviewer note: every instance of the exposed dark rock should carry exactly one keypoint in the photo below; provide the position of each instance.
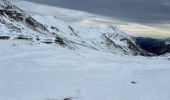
(60, 41)
(12, 12)
(48, 41)
(17, 14)
(54, 28)
(133, 82)
(67, 99)
(30, 22)
(34, 24)
(37, 38)
(72, 30)
(134, 48)
(23, 37)
(4, 37)
(2, 12)
(110, 43)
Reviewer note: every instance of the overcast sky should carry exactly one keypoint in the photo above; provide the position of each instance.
(142, 11)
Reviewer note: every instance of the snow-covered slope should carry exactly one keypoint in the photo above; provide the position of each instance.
(18, 24)
(43, 58)
(48, 72)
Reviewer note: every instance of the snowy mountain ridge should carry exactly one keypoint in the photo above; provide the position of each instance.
(44, 58)
(47, 29)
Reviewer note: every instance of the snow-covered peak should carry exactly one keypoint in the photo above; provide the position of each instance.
(18, 24)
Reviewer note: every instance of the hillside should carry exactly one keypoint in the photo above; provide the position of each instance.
(44, 58)
(17, 24)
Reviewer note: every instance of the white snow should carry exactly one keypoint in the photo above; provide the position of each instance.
(50, 72)
(31, 70)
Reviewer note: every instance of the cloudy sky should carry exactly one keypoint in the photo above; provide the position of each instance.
(153, 16)
(143, 11)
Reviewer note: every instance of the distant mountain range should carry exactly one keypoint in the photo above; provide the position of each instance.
(155, 46)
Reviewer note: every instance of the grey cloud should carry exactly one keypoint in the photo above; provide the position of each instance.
(142, 11)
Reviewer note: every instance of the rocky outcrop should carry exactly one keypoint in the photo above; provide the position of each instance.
(124, 44)
(20, 18)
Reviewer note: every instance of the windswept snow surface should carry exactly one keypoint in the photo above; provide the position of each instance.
(99, 66)
(49, 72)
